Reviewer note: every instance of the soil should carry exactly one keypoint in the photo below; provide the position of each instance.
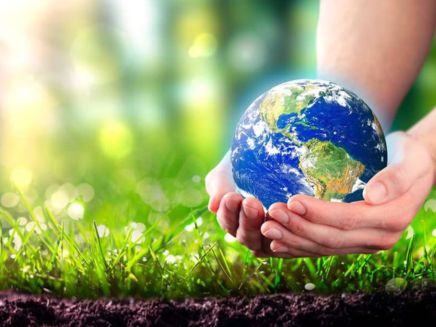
(280, 309)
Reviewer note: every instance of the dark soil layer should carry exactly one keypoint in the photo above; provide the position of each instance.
(280, 309)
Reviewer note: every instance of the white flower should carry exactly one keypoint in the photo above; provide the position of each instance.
(136, 236)
(136, 230)
(198, 222)
(410, 232)
(172, 259)
(16, 239)
(430, 205)
(31, 225)
(102, 231)
(22, 221)
(229, 238)
(309, 287)
(190, 227)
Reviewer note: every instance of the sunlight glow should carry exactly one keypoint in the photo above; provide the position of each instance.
(21, 177)
(76, 211)
(204, 45)
(116, 140)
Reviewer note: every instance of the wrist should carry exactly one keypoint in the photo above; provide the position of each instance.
(429, 145)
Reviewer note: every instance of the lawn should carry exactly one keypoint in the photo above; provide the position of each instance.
(93, 223)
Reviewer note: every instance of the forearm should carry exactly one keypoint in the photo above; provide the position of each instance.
(425, 132)
(375, 48)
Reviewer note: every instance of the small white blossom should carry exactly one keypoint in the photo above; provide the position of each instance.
(136, 236)
(229, 238)
(22, 221)
(102, 231)
(190, 227)
(309, 286)
(172, 259)
(410, 232)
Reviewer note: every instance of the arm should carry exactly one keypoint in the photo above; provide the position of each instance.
(376, 48)
(425, 133)
(310, 227)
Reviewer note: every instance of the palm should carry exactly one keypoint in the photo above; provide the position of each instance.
(240, 217)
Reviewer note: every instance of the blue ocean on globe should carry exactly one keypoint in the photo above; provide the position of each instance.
(307, 137)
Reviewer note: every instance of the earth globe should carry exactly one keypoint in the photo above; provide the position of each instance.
(309, 137)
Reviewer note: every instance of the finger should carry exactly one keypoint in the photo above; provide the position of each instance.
(214, 202)
(228, 212)
(285, 241)
(409, 162)
(393, 216)
(345, 216)
(251, 217)
(332, 237)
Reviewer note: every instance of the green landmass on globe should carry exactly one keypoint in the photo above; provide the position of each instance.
(330, 169)
(307, 137)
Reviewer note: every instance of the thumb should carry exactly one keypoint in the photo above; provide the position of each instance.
(408, 161)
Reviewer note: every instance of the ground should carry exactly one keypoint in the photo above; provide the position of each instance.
(280, 309)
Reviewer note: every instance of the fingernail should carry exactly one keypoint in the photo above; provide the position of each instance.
(273, 234)
(250, 211)
(376, 192)
(280, 216)
(297, 207)
(280, 248)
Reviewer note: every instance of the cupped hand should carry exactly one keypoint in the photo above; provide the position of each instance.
(308, 227)
(240, 217)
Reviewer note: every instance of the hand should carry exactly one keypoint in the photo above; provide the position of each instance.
(308, 227)
(240, 217)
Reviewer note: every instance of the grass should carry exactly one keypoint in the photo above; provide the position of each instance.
(141, 228)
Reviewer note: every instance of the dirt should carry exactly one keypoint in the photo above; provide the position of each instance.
(280, 309)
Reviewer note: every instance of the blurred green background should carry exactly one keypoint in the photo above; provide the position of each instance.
(125, 83)
(114, 111)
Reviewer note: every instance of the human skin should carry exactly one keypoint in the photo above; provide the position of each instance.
(375, 48)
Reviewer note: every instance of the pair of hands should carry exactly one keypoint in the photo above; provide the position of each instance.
(309, 227)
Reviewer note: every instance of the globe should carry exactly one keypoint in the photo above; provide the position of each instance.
(309, 137)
